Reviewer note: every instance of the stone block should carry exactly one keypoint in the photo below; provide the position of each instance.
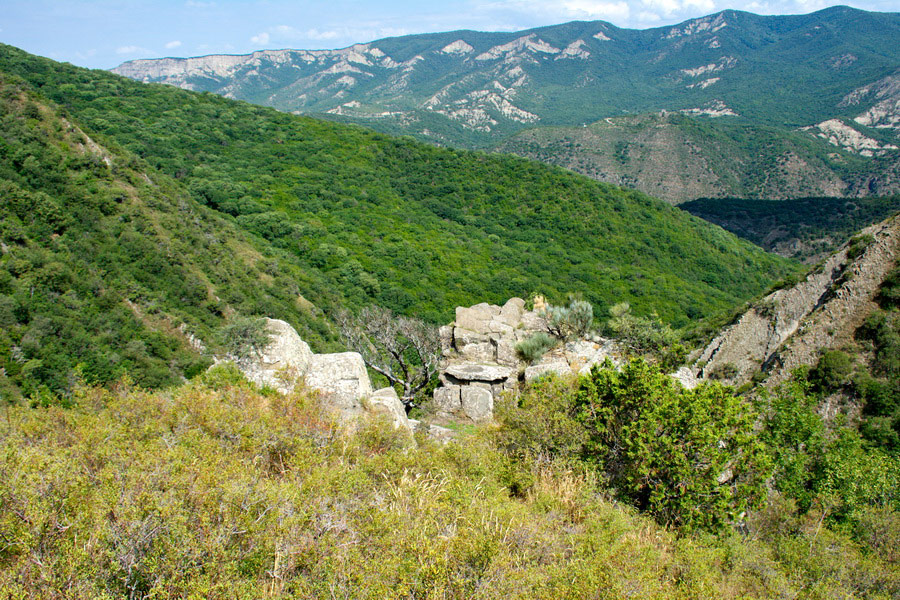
(447, 399)
(556, 367)
(477, 403)
(511, 312)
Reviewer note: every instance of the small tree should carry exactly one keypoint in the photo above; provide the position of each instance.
(245, 337)
(403, 349)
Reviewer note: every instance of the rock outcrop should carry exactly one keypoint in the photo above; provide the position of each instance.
(480, 360)
(791, 326)
(341, 379)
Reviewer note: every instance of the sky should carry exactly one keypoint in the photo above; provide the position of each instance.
(105, 33)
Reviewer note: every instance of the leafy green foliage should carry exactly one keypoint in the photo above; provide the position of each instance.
(832, 372)
(108, 268)
(646, 336)
(828, 466)
(569, 322)
(216, 491)
(689, 457)
(245, 337)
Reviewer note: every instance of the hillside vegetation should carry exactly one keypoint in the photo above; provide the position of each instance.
(213, 490)
(415, 228)
(106, 270)
(774, 106)
(678, 158)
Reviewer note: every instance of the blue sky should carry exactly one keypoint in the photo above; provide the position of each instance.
(106, 33)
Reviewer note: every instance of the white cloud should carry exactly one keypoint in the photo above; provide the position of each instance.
(261, 39)
(591, 9)
(131, 50)
(315, 34)
(646, 16)
(173, 44)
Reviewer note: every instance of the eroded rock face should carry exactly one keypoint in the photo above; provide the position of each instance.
(790, 327)
(282, 363)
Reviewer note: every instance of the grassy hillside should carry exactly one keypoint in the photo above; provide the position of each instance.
(213, 490)
(805, 228)
(412, 227)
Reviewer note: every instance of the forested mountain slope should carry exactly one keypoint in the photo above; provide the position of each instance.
(414, 227)
(679, 157)
(808, 229)
(336, 216)
(108, 267)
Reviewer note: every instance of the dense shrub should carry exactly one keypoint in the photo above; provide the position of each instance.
(647, 336)
(245, 337)
(532, 348)
(691, 458)
(569, 322)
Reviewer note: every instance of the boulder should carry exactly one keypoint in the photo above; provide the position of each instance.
(476, 318)
(434, 432)
(445, 334)
(386, 402)
(343, 380)
(557, 366)
(512, 312)
(284, 361)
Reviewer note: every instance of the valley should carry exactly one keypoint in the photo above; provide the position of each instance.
(579, 311)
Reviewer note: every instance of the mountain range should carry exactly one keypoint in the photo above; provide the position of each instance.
(804, 104)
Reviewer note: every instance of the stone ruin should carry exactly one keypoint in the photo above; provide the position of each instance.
(480, 360)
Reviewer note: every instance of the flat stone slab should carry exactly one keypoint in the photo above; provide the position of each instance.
(556, 367)
(479, 372)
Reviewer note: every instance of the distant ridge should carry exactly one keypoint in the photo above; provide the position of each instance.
(824, 86)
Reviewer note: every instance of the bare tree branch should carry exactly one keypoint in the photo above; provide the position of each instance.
(405, 350)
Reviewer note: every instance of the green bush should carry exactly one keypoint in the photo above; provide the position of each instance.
(832, 372)
(532, 348)
(691, 458)
(244, 337)
(858, 244)
(646, 336)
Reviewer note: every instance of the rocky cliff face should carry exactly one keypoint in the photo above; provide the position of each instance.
(790, 327)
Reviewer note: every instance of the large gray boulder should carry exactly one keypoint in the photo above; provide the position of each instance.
(386, 402)
(342, 380)
(283, 362)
